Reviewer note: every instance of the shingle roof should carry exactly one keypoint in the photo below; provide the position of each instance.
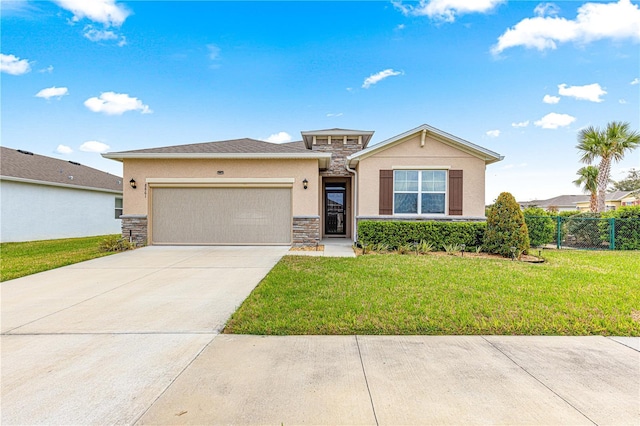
(29, 166)
(235, 146)
(560, 200)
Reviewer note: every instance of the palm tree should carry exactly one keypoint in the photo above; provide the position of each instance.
(589, 181)
(609, 145)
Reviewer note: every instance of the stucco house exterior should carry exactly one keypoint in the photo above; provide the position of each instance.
(44, 198)
(246, 191)
(613, 200)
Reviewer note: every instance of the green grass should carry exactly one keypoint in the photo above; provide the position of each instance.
(20, 259)
(574, 293)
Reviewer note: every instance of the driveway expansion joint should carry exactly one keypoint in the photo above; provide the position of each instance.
(538, 380)
(364, 373)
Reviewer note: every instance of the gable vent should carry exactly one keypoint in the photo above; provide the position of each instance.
(22, 151)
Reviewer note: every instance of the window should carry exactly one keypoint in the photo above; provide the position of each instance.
(419, 191)
(118, 208)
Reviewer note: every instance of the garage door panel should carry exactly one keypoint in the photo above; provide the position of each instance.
(221, 216)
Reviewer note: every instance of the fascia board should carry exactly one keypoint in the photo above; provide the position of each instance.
(61, 185)
(466, 146)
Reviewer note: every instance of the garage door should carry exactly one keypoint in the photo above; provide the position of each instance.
(221, 216)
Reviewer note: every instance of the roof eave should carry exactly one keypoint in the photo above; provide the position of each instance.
(307, 136)
(322, 157)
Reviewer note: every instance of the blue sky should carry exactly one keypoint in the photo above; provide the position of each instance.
(521, 78)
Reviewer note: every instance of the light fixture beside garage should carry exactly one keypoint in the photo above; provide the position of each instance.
(132, 182)
(220, 172)
(305, 183)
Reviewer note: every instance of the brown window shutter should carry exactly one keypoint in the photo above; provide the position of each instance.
(386, 192)
(455, 192)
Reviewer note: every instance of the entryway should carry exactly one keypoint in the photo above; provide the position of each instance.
(336, 201)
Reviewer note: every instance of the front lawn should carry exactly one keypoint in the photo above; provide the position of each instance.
(573, 293)
(20, 259)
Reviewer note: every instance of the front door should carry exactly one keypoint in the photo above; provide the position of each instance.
(335, 198)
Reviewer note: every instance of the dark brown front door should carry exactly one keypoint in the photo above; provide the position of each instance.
(335, 198)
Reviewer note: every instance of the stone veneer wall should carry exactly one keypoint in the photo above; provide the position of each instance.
(339, 151)
(135, 226)
(306, 231)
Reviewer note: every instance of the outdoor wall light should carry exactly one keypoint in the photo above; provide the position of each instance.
(132, 182)
(305, 183)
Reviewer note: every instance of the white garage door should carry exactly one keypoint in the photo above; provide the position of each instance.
(221, 216)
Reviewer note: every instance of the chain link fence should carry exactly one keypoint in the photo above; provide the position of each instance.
(587, 233)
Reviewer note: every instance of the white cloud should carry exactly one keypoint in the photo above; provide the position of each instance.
(106, 12)
(546, 9)
(375, 78)
(14, 65)
(595, 21)
(279, 137)
(112, 103)
(520, 124)
(622, 101)
(447, 10)
(554, 120)
(493, 133)
(94, 146)
(103, 35)
(48, 69)
(589, 92)
(64, 149)
(52, 92)
(548, 99)
(214, 51)
(400, 27)
(334, 114)
(635, 81)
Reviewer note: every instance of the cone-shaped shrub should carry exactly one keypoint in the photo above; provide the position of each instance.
(506, 227)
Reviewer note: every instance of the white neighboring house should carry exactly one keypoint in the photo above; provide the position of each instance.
(43, 198)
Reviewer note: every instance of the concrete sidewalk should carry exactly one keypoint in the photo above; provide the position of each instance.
(406, 380)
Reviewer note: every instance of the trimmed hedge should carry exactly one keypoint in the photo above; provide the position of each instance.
(541, 227)
(399, 233)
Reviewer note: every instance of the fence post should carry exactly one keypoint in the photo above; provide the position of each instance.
(559, 238)
(612, 233)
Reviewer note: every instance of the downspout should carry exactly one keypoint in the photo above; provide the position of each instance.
(355, 198)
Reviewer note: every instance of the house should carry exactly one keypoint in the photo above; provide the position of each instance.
(613, 201)
(45, 198)
(246, 191)
(561, 203)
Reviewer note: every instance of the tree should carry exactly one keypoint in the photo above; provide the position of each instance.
(589, 181)
(630, 183)
(609, 145)
(506, 228)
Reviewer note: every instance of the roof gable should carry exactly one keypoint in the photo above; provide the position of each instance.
(27, 166)
(437, 134)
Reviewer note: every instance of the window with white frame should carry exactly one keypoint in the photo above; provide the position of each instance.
(118, 207)
(419, 191)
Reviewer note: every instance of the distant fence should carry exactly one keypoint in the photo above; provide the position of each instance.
(584, 232)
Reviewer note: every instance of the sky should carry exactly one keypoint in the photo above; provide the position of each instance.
(521, 78)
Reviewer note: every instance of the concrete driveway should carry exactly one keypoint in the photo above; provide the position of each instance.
(131, 338)
(99, 341)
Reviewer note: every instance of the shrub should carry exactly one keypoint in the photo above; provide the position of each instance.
(506, 227)
(627, 224)
(115, 243)
(397, 233)
(540, 225)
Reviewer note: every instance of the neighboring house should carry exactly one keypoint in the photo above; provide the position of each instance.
(613, 201)
(246, 191)
(561, 203)
(44, 198)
